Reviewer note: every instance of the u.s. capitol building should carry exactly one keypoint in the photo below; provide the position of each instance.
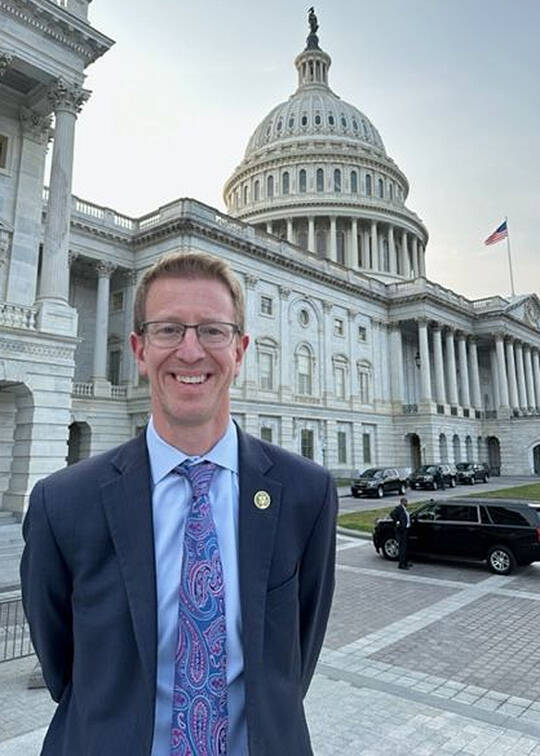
(356, 358)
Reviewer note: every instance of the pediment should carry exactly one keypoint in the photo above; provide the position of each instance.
(527, 309)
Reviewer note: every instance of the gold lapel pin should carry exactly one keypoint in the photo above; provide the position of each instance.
(262, 499)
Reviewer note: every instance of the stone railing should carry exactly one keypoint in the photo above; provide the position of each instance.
(410, 409)
(83, 390)
(17, 316)
(104, 215)
(118, 392)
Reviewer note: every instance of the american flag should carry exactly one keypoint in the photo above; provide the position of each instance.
(498, 235)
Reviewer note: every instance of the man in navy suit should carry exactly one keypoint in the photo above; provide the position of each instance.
(101, 569)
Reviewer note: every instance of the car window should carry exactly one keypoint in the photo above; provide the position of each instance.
(460, 512)
(484, 517)
(431, 512)
(507, 516)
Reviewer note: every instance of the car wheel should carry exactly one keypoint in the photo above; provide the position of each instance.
(434, 485)
(452, 482)
(402, 489)
(380, 492)
(500, 560)
(390, 548)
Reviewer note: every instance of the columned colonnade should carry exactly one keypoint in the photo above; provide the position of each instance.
(355, 242)
(450, 375)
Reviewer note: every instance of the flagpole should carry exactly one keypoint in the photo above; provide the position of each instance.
(509, 257)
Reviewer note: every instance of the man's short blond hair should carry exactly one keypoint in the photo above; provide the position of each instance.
(189, 265)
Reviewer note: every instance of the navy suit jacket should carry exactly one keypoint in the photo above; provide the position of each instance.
(89, 592)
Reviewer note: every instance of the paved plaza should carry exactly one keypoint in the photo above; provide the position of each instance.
(442, 659)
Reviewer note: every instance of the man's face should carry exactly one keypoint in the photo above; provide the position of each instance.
(189, 383)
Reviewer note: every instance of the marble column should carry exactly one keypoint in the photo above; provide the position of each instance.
(374, 246)
(475, 374)
(414, 255)
(311, 233)
(353, 377)
(396, 365)
(531, 394)
(290, 237)
(536, 371)
(67, 101)
(104, 272)
(425, 372)
(327, 376)
(440, 390)
(501, 371)
(354, 243)
(405, 262)
(511, 370)
(495, 382)
(392, 250)
(250, 359)
(451, 362)
(284, 357)
(129, 367)
(522, 391)
(463, 371)
(333, 239)
(421, 259)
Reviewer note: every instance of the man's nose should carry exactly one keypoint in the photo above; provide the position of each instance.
(189, 348)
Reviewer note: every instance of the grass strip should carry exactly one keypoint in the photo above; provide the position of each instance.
(530, 491)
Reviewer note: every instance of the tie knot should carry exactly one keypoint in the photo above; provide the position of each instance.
(199, 475)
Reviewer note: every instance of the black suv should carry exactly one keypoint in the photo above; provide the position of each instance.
(503, 534)
(427, 476)
(472, 472)
(376, 481)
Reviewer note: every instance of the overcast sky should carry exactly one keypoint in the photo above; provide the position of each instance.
(451, 86)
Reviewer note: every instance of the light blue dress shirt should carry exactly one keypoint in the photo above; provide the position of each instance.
(171, 497)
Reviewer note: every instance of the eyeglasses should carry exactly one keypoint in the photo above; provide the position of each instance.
(210, 335)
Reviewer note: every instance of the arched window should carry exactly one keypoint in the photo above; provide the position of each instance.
(381, 188)
(285, 183)
(304, 371)
(256, 191)
(386, 256)
(245, 195)
(236, 198)
(302, 184)
(337, 180)
(469, 449)
(354, 182)
(368, 185)
(320, 180)
(270, 186)
(443, 448)
(456, 444)
(391, 191)
(320, 242)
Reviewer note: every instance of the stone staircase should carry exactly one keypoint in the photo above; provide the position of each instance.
(11, 546)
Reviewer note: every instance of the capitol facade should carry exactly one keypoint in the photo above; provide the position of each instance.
(356, 358)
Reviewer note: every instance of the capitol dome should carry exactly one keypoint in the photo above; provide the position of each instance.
(316, 172)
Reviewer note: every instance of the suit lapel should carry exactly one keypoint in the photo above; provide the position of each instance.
(127, 502)
(257, 531)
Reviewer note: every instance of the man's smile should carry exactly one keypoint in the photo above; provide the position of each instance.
(201, 378)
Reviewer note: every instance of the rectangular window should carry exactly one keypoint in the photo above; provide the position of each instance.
(266, 378)
(304, 375)
(342, 447)
(3, 150)
(363, 387)
(266, 434)
(362, 333)
(114, 367)
(339, 327)
(340, 383)
(306, 443)
(366, 447)
(117, 301)
(267, 305)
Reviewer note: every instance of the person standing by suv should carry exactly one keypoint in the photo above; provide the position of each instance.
(439, 477)
(402, 522)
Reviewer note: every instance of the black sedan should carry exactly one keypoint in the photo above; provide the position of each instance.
(471, 473)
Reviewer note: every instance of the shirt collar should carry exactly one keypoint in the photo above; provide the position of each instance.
(164, 457)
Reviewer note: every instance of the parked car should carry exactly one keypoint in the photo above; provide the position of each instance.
(472, 472)
(377, 481)
(427, 476)
(502, 534)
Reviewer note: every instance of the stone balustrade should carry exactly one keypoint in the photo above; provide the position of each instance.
(17, 316)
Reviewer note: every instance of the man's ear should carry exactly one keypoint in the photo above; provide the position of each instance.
(138, 348)
(241, 346)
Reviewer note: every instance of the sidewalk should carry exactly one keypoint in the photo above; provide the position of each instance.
(444, 659)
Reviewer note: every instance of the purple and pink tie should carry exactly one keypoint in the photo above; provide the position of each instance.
(199, 721)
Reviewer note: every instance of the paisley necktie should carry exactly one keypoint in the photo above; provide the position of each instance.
(199, 721)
